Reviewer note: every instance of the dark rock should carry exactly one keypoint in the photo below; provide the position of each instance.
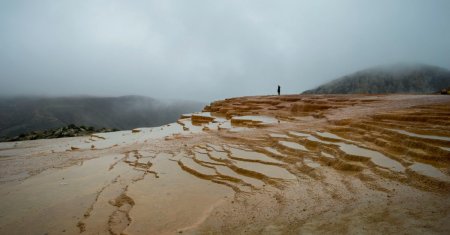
(67, 131)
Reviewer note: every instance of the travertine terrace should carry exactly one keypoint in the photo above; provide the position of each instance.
(253, 165)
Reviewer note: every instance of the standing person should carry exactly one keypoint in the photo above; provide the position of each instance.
(279, 89)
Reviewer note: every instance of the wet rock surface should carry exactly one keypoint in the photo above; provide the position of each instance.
(251, 165)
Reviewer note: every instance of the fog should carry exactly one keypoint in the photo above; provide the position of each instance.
(208, 50)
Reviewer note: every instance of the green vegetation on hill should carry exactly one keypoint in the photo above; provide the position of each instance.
(399, 78)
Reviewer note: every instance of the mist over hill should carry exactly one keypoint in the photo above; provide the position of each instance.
(25, 114)
(397, 78)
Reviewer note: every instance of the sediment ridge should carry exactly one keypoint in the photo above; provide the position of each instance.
(249, 165)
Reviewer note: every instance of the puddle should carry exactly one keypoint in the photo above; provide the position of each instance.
(238, 129)
(218, 155)
(430, 171)
(273, 151)
(252, 156)
(254, 119)
(329, 135)
(376, 157)
(445, 148)
(225, 125)
(112, 139)
(293, 145)
(314, 139)
(193, 166)
(431, 137)
(236, 146)
(327, 155)
(311, 163)
(188, 126)
(267, 170)
(276, 135)
(99, 140)
(203, 157)
(298, 134)
(308, 137)
(223, 170)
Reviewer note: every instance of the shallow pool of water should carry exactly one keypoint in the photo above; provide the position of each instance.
(203, 157)
(277, 135)
(432, 137)
(219, 155)
(223, 170)
(267, 170)
(430, 171)
(293, 145)
(329, 135)
(273, 151)
(191, 164)
(376, 157)
(252, 156)
(260, 119)
(327, 155)
(311, 163)
(298, 134)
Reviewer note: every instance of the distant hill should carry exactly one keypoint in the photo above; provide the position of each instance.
(21, 115)
(399, 78)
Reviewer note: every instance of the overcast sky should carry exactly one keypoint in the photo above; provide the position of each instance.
(210, 49)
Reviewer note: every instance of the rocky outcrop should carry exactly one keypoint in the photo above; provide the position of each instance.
(67, 131)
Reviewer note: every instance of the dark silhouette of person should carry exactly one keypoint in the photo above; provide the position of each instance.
(279, 89)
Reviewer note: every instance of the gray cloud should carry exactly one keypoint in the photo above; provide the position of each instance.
(206, 50)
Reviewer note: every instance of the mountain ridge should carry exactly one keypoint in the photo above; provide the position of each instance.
(387, 79)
